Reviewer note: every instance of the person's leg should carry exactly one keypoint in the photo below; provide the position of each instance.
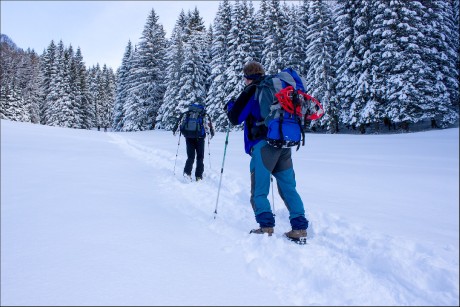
(190, 156)
(285, 178)
(199, 158)
(260, 167)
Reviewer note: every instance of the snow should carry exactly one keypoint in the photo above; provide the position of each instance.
(105, 218)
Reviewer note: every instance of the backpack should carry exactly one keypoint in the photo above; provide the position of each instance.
(192, 126)
(285, 107)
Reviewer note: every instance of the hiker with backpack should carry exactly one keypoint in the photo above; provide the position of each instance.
(194, 125)
(269, 148)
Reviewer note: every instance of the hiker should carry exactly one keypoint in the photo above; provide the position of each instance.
(194, 125)
(266, 160)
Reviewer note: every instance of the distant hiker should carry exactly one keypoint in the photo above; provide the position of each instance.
(266, 160)
(194, 125)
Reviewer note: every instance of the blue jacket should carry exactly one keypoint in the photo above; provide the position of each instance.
(246, 108)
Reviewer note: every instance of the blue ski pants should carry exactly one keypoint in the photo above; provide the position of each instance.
(267, 160)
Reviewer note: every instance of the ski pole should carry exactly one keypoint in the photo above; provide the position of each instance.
(222, 170)
(209, 153)
(210, 135)
(177, 152)
(273, 197)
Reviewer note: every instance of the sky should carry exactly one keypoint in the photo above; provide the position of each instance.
(105, 218)
(101, 29)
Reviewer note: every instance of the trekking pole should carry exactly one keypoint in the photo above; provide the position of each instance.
(177, 152)
(209, 153)
(222, 170)
(210, 135)
(273, 197)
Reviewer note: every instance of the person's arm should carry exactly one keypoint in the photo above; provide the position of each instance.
(211, 128)
(177, 124)
(235, 110)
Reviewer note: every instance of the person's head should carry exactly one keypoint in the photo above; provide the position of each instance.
(252, 71)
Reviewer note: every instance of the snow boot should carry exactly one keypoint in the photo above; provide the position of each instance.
(187, 177)
(262, 230)
(299, 236)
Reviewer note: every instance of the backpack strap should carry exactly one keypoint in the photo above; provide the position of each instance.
(302, 131)
(265, 94)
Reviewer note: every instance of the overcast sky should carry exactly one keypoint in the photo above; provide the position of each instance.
(101, 29)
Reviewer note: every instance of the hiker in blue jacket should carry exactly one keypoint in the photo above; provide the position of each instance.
(266, 160)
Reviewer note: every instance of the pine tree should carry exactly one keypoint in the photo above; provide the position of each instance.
(195, 23)
(30, 86)
(456, 46)
(274, 33)
(11, 102)
(58, 101)
(107, 96)
(304, 12)
(193, 71)
(208, 56)
(254, 35)
(76, 121)
(447, 112)
(216, 95)
(347, 61)
(121, 89)
(81, 90)
(66, 101)
(256, 38)
(239, 48)
(321, 54)
(294, 51)
(192, 82)
(94, 112)
(455, 32)
(11, 99)
(145, 95)
(19, 91)
(47, 73)
(167, 115)
(402, 43)
(366, 105)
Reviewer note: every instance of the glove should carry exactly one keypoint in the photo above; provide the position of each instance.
(174, 133)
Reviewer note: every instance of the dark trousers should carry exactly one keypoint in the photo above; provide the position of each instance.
(194, 145)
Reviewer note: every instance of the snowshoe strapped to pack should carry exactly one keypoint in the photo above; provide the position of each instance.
(285, 107)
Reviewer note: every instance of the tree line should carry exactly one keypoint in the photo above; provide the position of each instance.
(56, 88)
(372, 64)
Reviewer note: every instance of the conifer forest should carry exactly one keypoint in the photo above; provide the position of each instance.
(376, 66)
